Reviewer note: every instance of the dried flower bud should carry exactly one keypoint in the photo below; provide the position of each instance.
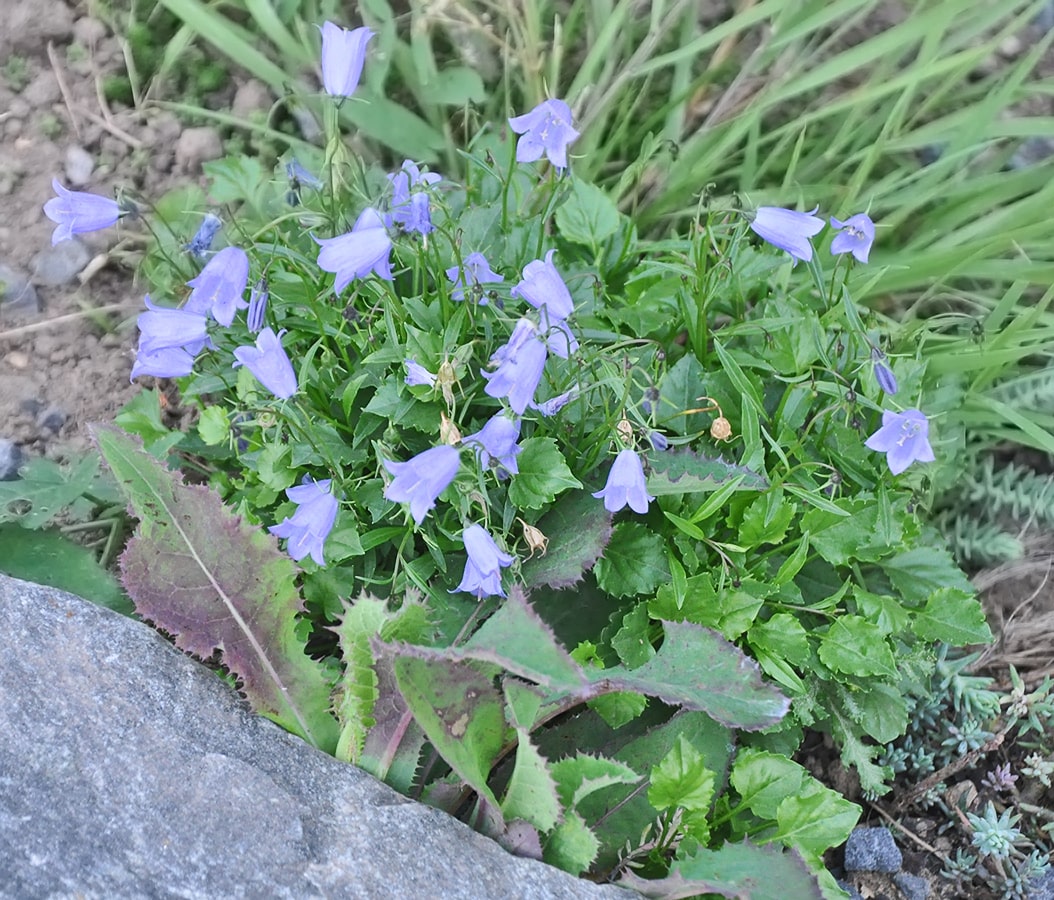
(535, 539)
(625, 430)
(448, 431)
(446, 378)
(721, 429)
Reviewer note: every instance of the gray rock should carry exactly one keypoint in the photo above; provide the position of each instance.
(912, 886)
(78, 166)
(62, 263)
(10, 460)
(251, 97)
(197, 145)
(52, 419)
(17, 295)
(42, 91)
(129, 770)
(872, 850)
(1042, 888)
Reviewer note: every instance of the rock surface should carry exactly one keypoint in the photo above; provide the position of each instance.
(129, 770)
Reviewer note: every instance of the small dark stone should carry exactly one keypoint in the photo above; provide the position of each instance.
(52, 419)
(912, 886)
(872, 850)
(10, 460)
(31, 406)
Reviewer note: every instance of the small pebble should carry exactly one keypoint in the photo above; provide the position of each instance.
(10, 460)
(88, 31)
(912, 886)
(253, 96)
(62, 263)
(198, 145)
(16, 359)
(52, 419)
(16, 293)
(872, 850)
(79, 166)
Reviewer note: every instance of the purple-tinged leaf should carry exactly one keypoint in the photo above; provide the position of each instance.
(578, 529)
(392, 750)
(218, 584)
(521, 839)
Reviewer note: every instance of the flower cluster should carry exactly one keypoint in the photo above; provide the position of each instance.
(791, 231)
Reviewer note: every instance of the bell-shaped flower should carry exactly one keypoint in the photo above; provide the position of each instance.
(855, 235)
(520, 363)
(269, 362)
(312, 522)
(419, 481)
(904, 438)
(495, 443)
(410, 208)
(254, 318)
(366, 248)
(474, 272)
(626, 484)
(543, 288)
(417, 374)
(545, 129)
(162, 362)
(77, 212)
(553, 405)
(201, 242)
(343, 55)
(558, 337)
(220, 287)
(300, 177)
(483, 567)
(787, 229)
(161, 328)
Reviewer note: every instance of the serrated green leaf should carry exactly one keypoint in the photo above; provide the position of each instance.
(782, 635)
(633, 563)
(953, 617)
(543, 474)
(579, 776)
(632, 641)
(578, 529)
(883, 711)
(919, 572)
(356, 690)
(765, 521)
(816, 820)
(857, 536)
(213, 427)
(531, 795)
(588, 216)
(571, 846)
(681, 779)
(854, 646)
(683, 471)
(763, 780)
(45, 489)
(619, 707)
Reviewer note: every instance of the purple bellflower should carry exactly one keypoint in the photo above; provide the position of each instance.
(161, 328)
(495, 443)
(258, 296)
(885, 378)
(658, 441)
(543, 288)
(410, 208)
(558, 336)
(202, 240)
(297, 174)
(626, 484)
(545, 129)
(366, 248)
(787, 229)
(343, 55)
(417, 374)
(520, 364)
(269, 362)
(76, 212)
(553, 405)
(419, 481)
(475, 271)
(220, 287)
(483, 567)
(312, 522)
(162, 362)
(855, 235)
(904, 438)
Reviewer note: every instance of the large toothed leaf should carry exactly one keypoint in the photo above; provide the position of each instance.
(683, 471)
(356, 690)
(392, 749)
(578, 528)
(218, 585)
(531, 795)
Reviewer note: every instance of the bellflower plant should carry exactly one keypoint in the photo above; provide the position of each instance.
(162, 362)
(904, 438)
(343, 56)
(787, 229)
(254, 318)
(269, 363)
(312, 522)
(495, 443)
(421, 480)
(78, 212)
(161, 327)
(201, 242)
(409, 207)
(855, 235)
(220, 288)
(484, 564)
(417, 374)
(366, 248)
(547, 130)
(474, 272)
(626, 485)
(520, 363)
(543, 288)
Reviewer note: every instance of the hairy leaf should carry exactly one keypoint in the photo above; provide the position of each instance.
(356, 691)
(634, 562)
(44, 489)
(683, 471)
(531, 795)
(581, 775)
(543, 474)
(392, 749)
(218, 584)
(578, 529)
(572, 846)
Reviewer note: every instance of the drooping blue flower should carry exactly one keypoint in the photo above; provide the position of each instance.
(343, 55)
(77, 212)
(545, 129)
(162, 362)
(855, 235)
(558, 336)
(904, 438)
(787, 229)
(495, 443)
(417, 374)
(220, 288)
(254, 318)
(419, 481)
(410, 208)
(161, 328)
(201, 242)
(543, 288)
(269, 362)
(300, 176)
(475, 271)
(520, 364)
(626, 484)
(553, 405)
(885, 378)
(658, 441)
(483, 567)
(312, 522)
(366, 248)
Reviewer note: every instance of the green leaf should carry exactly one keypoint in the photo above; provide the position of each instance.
(581, 775)
(45, 489)
(763, 780)
(735, 870)
(48, 557)
(588, 216)
(532, 791)
(816, 820)
(634, 562)
(883, 711)
(918, 573)
(683, 471)
(571, 846)
(213, 427)
(456, 86)
(543, 474)
(578, 529)
(953, 617)
(619, 707)
(863, 534)
(766, 519)
(854, 646)
(783, 636)
(356, 690)
(682, 779)
(632, 642)
(394, 126)
(218, 584)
